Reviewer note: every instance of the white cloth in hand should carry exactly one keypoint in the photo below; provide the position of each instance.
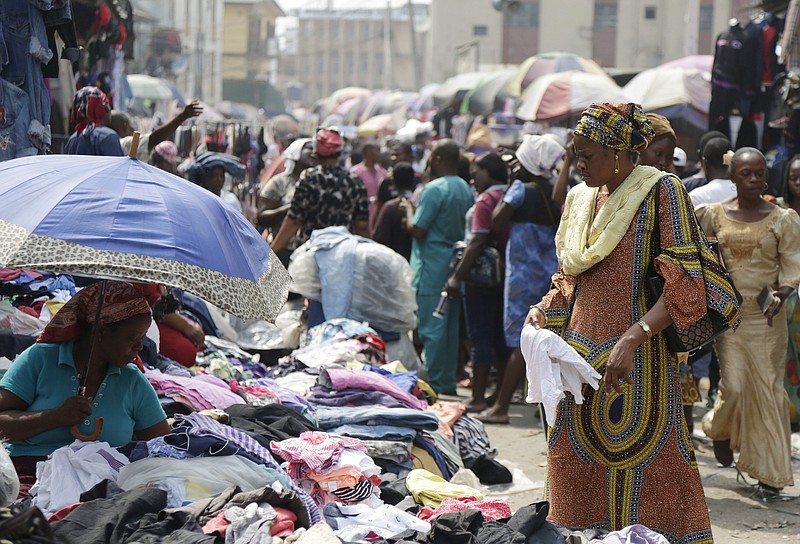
(553, 367)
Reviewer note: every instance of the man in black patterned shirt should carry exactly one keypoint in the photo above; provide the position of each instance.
(327, 195)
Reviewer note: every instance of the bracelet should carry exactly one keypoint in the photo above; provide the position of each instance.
(646, 328)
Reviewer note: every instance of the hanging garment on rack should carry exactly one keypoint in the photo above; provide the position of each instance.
(24, 38)
(735, 76)
(15, 118)
(58, 20)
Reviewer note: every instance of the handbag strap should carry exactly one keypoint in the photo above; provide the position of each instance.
(546, 203)
(651, 269)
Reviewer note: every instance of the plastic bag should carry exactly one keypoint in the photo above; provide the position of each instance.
(304, 273)
(9, 482)
(292, 323)
(383, 295)
(403, 350)
(260, 335)
(382, 292)
(13, 321)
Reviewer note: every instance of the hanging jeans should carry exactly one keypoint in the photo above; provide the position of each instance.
(23, 50)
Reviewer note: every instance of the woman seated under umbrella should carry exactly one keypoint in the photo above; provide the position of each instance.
(39, 395)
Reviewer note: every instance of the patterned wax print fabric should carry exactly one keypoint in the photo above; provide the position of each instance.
(792, 380)
(328, 196)
(631, 451)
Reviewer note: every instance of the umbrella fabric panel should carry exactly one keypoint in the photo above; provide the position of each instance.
(149, 88)
(481, 99)
(461, 83)
(544, 64)
(664, 87)
(118, 204)
(557, 95)
(259, 299)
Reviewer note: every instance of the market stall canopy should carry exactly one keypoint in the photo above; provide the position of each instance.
(424, 100)
(676, 93)
(450, 90)
(285, 124)
(342, 95)
(549, 63)
(702, 63)
(209, 114)
(385, 123)
(382, 103)
(557, 95)
(487, 96)
(239, 111)
(149, 88)
(119, 218)
(348, 111)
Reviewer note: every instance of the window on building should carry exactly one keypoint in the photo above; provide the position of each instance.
(349, 63)
(706, 18)
(253, 35)
(524, 16)
(378, 66)
(605, 16)
(364, 62)
(334, 25)
(334, 62)
(650, 12)
(480, 30)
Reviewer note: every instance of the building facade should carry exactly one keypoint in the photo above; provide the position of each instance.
(250, 53)
(465, 36)
(618, 33)
(376, 48)
(182, 41)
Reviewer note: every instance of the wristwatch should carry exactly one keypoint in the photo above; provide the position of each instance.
(646, 328)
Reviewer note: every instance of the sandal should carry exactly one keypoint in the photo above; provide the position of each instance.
(493, 419)
(476, 409)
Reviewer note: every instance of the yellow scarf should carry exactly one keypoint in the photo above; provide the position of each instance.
(585, 238)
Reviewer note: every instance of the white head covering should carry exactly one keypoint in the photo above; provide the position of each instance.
(292, 153)
(679, 157)
(539, 154)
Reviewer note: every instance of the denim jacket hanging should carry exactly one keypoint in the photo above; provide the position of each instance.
(15, 120)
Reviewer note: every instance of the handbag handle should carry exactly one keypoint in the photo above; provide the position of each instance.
(651, 270)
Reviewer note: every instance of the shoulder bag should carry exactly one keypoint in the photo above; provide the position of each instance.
(713, 324)
(487, 270)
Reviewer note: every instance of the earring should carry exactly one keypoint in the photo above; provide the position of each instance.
(616, 163)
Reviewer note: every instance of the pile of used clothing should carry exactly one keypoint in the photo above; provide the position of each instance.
(332, 444)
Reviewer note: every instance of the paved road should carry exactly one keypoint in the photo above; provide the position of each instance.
(735, 517)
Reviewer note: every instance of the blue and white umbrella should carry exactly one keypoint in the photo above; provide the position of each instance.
(119, 218)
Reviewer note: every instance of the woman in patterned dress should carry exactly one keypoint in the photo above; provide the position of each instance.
(624, 455)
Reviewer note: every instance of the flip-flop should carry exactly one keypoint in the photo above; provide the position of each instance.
(493, 419)
(473, 410)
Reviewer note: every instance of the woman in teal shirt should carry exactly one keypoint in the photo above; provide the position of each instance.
(39, 399)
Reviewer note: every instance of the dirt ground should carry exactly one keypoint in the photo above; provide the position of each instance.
(735, 517)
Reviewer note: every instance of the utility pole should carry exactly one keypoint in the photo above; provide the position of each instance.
(388, 68)
(415, 61)
(326, 53)
(692, 23)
